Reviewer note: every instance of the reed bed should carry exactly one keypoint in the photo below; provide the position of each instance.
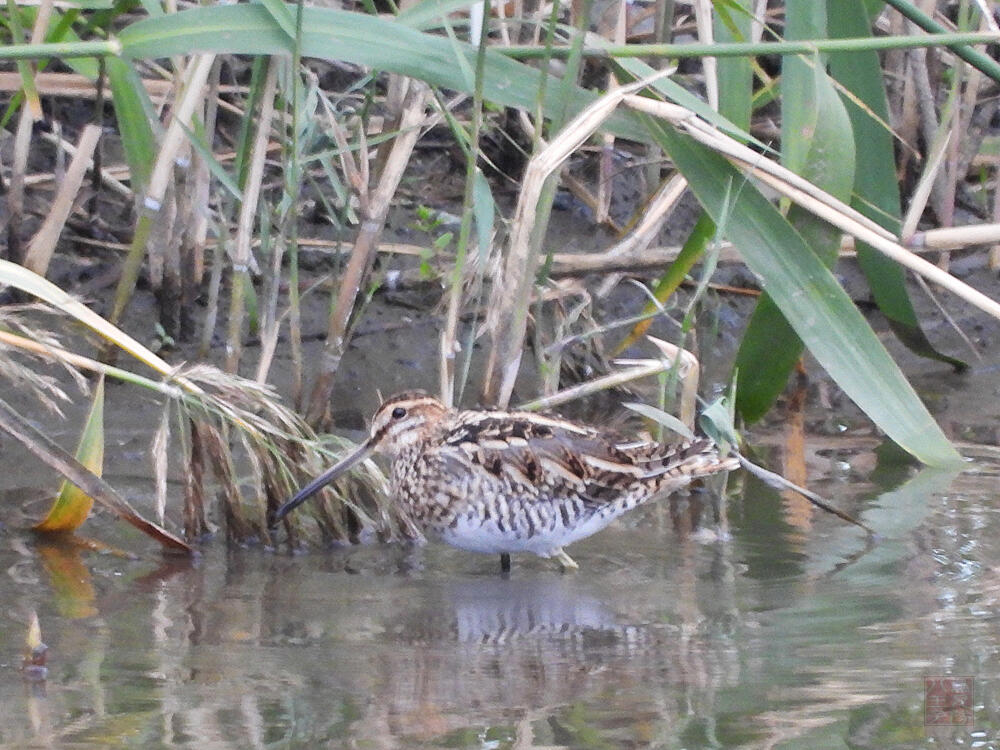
(183, 141)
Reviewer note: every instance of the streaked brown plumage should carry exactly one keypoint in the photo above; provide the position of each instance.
(502, 482)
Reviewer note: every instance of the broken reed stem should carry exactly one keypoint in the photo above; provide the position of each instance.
(508, 309)
(195, 77)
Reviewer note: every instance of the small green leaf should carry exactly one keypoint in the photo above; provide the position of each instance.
(72, 506)
(199, 142)
(717, 420)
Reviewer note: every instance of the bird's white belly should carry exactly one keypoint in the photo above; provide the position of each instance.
(475, 535)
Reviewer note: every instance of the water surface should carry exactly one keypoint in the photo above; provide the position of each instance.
(792, 631)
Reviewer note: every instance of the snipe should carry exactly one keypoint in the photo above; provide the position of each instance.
(503, 482)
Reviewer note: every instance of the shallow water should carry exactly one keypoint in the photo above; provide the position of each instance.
(793, 631)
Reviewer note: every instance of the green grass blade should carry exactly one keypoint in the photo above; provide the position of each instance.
(732, 24)
(817, 143)
(199, 141)
(133, 112)
(380, 43)
(483, 210)
(876, 190)
(27, 281)
(821, 313)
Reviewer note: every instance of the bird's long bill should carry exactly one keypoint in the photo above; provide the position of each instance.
(323, 480)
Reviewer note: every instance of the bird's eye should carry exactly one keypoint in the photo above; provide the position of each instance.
(398, 413)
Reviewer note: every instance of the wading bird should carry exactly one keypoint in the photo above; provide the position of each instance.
(503, 482)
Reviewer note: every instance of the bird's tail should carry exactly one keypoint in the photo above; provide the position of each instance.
(688, 460)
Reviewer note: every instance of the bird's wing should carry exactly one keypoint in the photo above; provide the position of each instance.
(556, 458)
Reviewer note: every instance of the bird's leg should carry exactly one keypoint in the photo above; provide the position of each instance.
(567, 562)
(505, 562)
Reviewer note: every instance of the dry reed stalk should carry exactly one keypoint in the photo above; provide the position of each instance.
(951, 117)
(242, 256)
(108, 174)
(77, 86)
(112, 175)
(159, 450)
(810, 197)
(30, 112)
(43, 244)
(374, 209)
(925, 185)
(636, 242)
(197, 236)
(195, 524)
(904, 105)
(163, 255)
(511, 294)
(927, 108)
(605, 163)
(270, 326)
(192, 87)
(184, 255)
(703, 14)
(955, 238)
(214, 291)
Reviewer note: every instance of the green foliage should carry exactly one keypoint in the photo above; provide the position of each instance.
(834, 133)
